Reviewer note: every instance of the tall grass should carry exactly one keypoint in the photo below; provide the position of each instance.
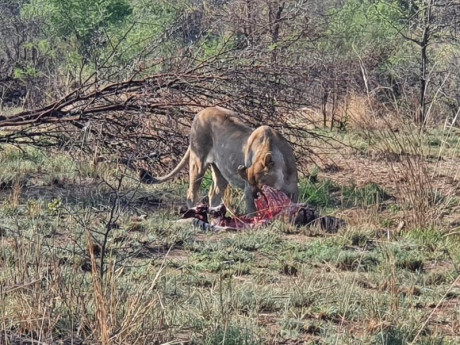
(417, 159)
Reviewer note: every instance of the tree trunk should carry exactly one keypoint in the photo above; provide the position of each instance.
(421, 114)
(274, 16)
(334, 106)
(324, 107)
(248, 26)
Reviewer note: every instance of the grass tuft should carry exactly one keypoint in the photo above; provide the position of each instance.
(231, 335)
(369, 194)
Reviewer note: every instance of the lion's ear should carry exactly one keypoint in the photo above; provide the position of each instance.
(243, 172)
(268, 160)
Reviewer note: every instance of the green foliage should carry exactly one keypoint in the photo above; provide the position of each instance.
(88, 35)
(369, 30)
(136, 36)
(83, 19)
(25, 73)
(54, 206)
(365, 25)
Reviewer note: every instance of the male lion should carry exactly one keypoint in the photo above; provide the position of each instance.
(237, 154)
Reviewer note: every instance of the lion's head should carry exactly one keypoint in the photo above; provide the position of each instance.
(261, 172)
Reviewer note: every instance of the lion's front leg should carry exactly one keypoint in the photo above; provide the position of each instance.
(249, 198)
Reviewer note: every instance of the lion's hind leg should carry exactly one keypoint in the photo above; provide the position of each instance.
(219, 184)
(197, 170)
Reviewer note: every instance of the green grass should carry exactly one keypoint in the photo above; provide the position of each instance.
(167, 281)
(317, 193)
(369, 194)
(327, 194)
(231, 335)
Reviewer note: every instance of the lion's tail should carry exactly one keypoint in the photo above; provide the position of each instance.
(146, 177)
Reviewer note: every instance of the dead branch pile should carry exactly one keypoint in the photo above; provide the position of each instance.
(143, 121)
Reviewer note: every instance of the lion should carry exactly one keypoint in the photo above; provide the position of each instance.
(237, 155)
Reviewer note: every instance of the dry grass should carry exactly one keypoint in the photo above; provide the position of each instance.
(389, 277)
(419, 167)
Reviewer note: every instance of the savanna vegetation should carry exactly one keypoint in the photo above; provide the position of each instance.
(367, 93)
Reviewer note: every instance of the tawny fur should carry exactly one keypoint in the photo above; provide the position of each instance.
(237, 155)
